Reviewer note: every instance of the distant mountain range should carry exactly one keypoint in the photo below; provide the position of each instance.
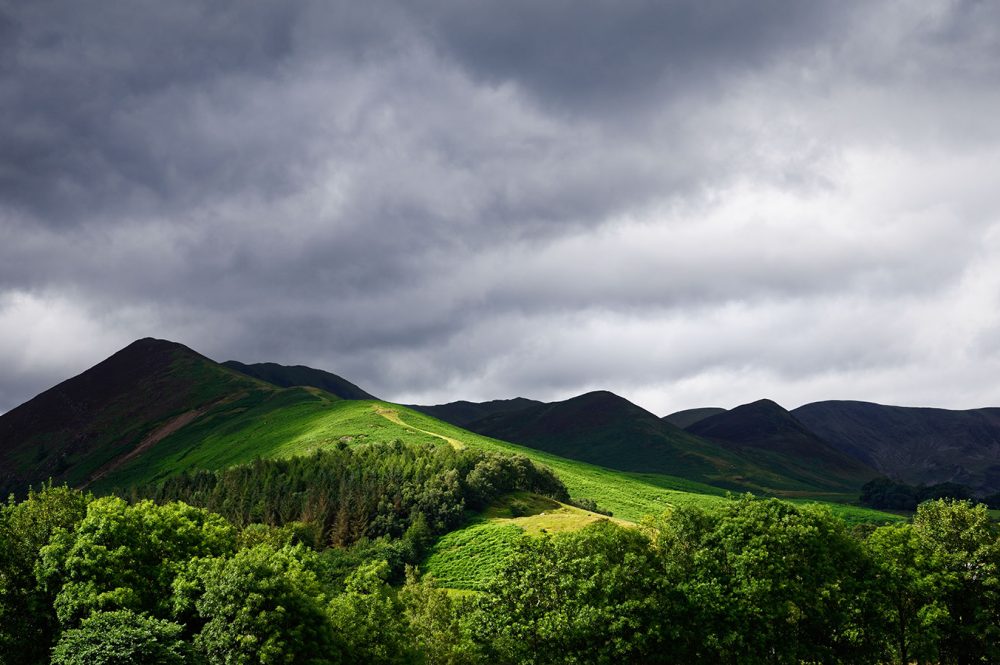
(157, 406)
(758, 447)
(823, 444)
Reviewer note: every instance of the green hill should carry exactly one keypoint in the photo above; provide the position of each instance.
(288, 376)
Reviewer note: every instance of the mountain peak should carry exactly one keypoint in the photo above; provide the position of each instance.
(154, 346)
(764, 428)
(102, 413)
(747, 422)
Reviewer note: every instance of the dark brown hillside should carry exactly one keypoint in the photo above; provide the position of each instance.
(73, 429)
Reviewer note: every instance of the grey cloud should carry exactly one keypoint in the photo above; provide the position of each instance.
(469, 199)
(604, 54)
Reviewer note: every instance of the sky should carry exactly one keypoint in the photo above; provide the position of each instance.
(689, 203)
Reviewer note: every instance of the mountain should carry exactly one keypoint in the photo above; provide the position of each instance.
(919, 446)
(688, 417)
(298, 375)
(603, 428)
(462, 413)
(157, 408)
(82, 427)
(775, 439)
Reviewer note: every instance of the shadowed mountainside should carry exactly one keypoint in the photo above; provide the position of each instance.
(603, 428)
(919, 446)
(287, 376)
(771, 436)
(688, 417)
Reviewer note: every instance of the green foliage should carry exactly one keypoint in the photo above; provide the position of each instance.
(753, 581)
(885, 493)
(262, 605)
(434, 622)
(346, 494)
(122, 637)
(769, 582)
(369, 617)
(938, 579)
(123, 556)
(595, 596)
(27, 620)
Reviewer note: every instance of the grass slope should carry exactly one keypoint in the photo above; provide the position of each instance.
(469, 557)
(298, 420)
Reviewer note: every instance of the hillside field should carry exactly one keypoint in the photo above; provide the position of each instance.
(295, 421)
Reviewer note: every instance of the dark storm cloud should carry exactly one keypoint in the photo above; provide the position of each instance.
(614, 53)
(682, 201)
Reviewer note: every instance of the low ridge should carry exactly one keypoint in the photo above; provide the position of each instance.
(462, 413)
(688, 417)
(287, 376)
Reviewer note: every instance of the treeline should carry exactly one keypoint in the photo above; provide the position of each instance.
(352, 493)
(884, 493)
(102, 581)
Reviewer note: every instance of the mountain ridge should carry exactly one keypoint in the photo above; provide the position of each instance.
(463, 412)
(765, 431)
(288, 376)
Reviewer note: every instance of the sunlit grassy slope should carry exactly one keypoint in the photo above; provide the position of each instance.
(471, 556)
(298, 420)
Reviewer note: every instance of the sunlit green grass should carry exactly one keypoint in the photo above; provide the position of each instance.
(298, 420)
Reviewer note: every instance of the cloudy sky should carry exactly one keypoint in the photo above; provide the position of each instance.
(689, 203)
